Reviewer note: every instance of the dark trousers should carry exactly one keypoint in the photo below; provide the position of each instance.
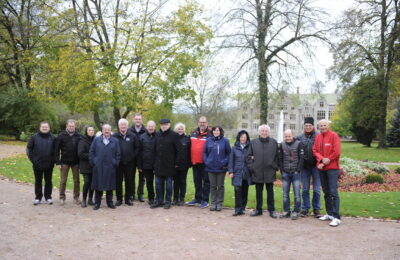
(241, 193)
(48, 185)
(163, 188)
(201, 183)
(180, 184)
(217, 188)
(270, 196)
(141, 184)
(125, 172)
(329, 182)
(99, 195)
(149, 175)
(87, 177)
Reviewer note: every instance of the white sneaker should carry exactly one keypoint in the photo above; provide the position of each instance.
(326, 217)
(335, 222)
(36, 202)
(49, 201)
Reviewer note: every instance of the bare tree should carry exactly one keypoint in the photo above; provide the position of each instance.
(272, 32)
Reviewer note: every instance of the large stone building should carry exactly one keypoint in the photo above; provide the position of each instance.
(294, 107)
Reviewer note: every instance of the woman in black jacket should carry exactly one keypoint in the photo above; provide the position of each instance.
(84, 165)
(40, 150)
(184, 164)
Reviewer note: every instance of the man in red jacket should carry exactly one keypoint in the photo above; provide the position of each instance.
(327, 152)
(200, 176)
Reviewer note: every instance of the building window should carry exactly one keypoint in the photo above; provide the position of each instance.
(306, 108)
(292, 126)
(292, 108)
(271, 116)
(283, 107)
(320, 115)
(244, 116)
(331, 114)
(321, 104)
(244, 107)
(285, 115)
(306, 115)
(292, 116)
(244, 125)
(256, 125)
(272, 126)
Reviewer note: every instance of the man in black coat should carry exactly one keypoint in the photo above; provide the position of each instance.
(129, 145)
(67, 143)
(138, 129)
(40, 151)
(146, 158)
(167, 154)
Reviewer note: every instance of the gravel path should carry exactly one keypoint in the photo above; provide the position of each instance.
(138, 232)
(7, 150)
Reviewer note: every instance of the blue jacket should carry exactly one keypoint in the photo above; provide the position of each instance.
(238, 161)
(216, 154)
(104, 159)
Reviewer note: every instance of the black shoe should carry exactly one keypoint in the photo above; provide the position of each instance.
(218, 208)
(213, 208)
(140, 198)
(285, 215)
(129, 202)
(273, 214)
(175, 202)
(151, 202)
(317, 214)
(156, 205)
(181, 203)
(236, 213)
(304, 213)
(96, 207)
(111, 205)
(256, 213)
(90, 202)
(118, 203)
(83, 204)
(167, 205)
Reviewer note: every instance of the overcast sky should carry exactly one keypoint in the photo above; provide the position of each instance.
(215, 9)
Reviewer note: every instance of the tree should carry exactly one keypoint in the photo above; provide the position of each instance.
(138, 54)
(361, 122)
(271, 31)
(318, 87)
(393, 136)
(369, 33)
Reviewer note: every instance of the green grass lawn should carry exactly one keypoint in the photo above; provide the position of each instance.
(379, 205)
(358, 151)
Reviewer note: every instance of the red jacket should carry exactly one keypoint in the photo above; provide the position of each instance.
(327, 145)
(198, 140)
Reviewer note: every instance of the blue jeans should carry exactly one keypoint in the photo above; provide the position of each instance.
(287, 179)
(329, 182)
(201, 183)
(163, 184)
(306, 175)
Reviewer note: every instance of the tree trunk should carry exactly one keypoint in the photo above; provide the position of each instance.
(96, 118)
(117, 115)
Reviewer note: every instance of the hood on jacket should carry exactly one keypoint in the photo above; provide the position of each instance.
(238, 137)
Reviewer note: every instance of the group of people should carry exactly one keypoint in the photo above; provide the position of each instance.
(111, 159)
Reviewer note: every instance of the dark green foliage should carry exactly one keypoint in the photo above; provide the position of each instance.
(20, 112)
(393, 136)
(374, 178)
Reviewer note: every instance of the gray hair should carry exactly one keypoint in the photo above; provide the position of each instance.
(105, 125)
(151, 122)
(328, 122)
(180, 125)
(262, 127)
(123, 121)
(71, 121)
(288, 131)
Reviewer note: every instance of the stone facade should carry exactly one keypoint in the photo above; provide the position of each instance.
(294, 106)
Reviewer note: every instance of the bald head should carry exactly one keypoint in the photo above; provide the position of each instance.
(288, 135)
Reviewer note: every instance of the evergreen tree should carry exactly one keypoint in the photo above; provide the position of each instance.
(393, 136)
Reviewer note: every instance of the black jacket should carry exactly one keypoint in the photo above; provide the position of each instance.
(129, 146)
(291, 156)
(308, 142)
(68, 145)
(83, 154)
(40, 150)
(138, 134)
(146, 153)
(185, 161)
(167, 153)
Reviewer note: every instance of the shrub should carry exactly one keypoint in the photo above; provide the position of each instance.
(278, 176)
(397, 170)
(372, 178)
